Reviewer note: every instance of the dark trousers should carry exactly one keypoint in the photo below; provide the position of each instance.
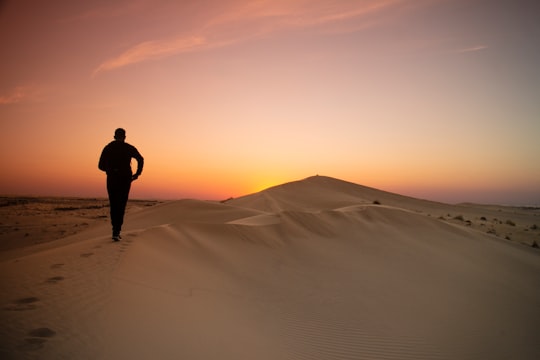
(118, 188)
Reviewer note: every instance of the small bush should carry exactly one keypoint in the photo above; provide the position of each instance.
(459, 217)
(534, 227)
(376, 202)
(483, 218)
(510, 222)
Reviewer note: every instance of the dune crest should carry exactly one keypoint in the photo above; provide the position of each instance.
(314, 269)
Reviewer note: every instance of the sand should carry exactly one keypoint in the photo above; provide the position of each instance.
(313, 269)
(26, 221)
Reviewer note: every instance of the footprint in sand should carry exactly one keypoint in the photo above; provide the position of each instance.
(37, 340)
(85, 255)
(56, 266)
(23, 304)
(42, 333)
(55, 279)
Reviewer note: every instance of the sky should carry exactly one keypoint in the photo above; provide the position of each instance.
(435, 99)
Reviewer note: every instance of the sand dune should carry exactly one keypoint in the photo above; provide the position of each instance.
(307, 270)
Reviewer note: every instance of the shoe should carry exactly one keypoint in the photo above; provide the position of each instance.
(116, 237)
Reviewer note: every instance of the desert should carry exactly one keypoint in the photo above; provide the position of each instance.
(418, 240)
(318, 268)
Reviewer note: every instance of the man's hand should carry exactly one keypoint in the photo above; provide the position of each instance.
(134, 177)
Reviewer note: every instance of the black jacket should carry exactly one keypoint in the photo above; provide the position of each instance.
(116, 158)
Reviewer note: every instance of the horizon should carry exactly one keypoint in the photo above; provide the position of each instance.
(104, 196)
(429, 99)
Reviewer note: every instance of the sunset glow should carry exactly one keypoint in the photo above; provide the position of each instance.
(432, 99)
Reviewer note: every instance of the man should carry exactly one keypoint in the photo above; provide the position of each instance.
(115, 160)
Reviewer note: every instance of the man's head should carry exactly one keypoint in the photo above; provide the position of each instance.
(120, 134)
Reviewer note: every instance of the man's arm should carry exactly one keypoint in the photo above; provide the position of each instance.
(103, 161)
(140, 164)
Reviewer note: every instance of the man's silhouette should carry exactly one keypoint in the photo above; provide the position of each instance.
(115, 160)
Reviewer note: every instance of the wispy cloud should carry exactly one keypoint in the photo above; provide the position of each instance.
(19, 94)
(153, 50)
(471, 49)
(253, 19)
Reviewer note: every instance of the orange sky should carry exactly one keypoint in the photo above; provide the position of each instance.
(435, 99)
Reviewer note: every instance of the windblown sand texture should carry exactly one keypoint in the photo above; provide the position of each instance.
(312, 269)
